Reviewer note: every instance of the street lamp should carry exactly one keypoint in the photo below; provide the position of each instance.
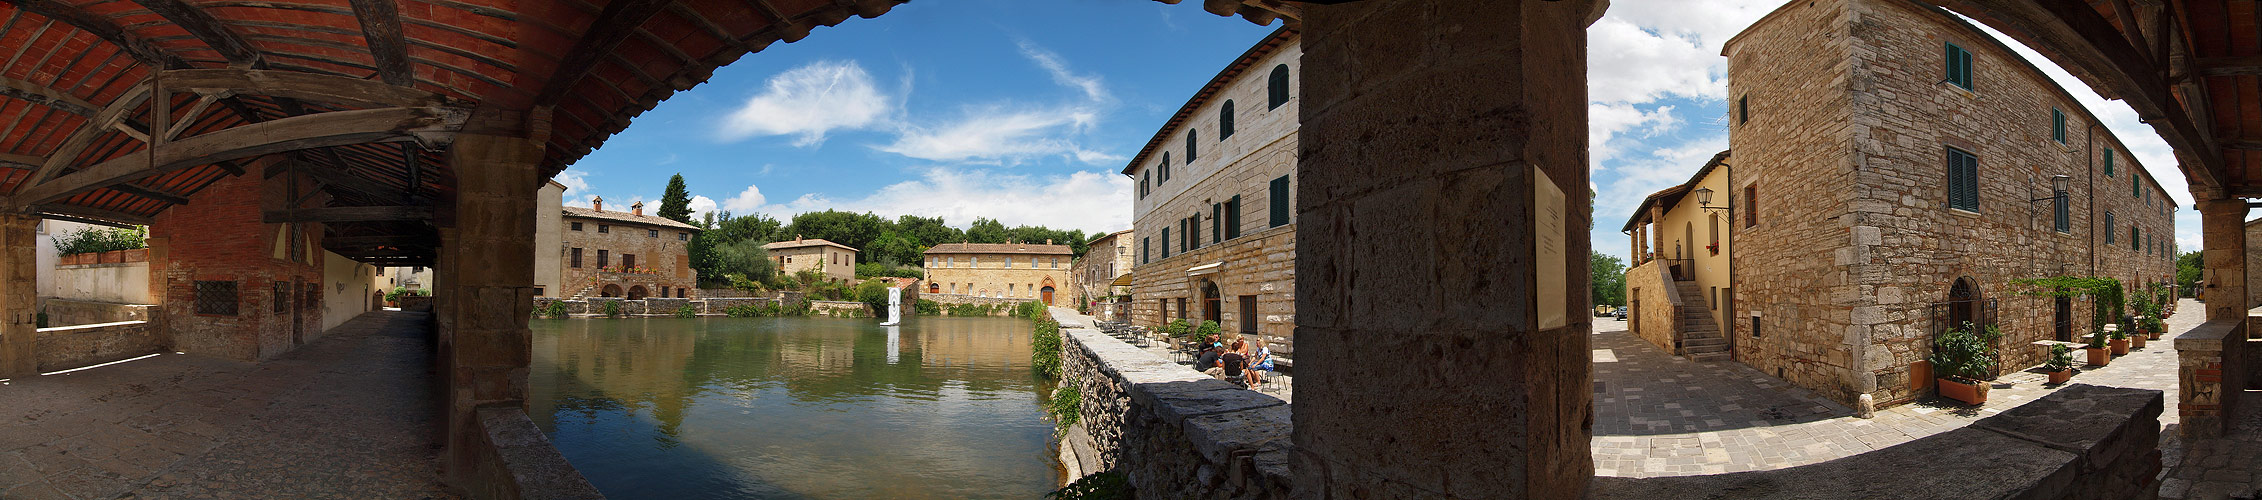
(1704, 199)
(2057, 188)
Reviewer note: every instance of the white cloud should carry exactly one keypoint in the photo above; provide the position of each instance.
(808, 101)
(1012, 132)
(1086, 200)
(701, 206)
(1606, 121)
(1090, 85)
(748, 201)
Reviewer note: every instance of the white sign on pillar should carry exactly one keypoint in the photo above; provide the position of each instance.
(1550, 286)
(895, 307)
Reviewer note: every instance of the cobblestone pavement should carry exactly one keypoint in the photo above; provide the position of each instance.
(1659, 415)
(350, 415)
(1279, 384)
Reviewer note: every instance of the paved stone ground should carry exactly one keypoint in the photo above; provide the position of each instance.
(1659, 415)
(1276, 384)
(350, 415)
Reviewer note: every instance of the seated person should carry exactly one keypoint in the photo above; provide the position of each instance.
(1206, 361)
(1231, 363)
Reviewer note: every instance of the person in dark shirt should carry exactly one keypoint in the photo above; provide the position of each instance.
(1207, 359)
(1231, 362)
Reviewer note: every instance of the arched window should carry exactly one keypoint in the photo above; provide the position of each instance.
(1190, 147)
(1279, 86)
(1225, 120)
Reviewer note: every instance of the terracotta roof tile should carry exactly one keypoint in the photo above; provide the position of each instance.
(1001, 248)
(586, 213)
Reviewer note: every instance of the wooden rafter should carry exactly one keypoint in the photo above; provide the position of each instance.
(131, 189)
(95, 126)
(92, 213)
(429, 125)
(349, 214)
(206, 29)
(102, 28)
(381, 26)
(614, 25)
(46, 96)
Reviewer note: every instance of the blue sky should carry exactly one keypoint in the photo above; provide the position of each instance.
(958, 109)
(990, 108)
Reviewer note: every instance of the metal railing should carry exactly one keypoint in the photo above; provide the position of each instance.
(1683, 269)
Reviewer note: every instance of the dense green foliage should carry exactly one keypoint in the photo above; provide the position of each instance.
(1208, 330)
(675, 204)
(1031, 310)
(745, 259)
(873, 293)
(1967, 352)
(555, 310)
(2106, 292)
(102, 239)
(890, 243)
(1066, 406)
(1044, 349)
(1177, 328)
(766, 309)
(2061, 358)
(687, 311)
(398, 291)
(1607, 280)
(927, 307)
(973, 309)
(2188, 267)
(612, 309)
(878, 270)
(1110, 485)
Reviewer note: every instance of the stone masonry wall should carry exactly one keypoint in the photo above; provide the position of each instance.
(219, 237)
(667, 257)
(1845, 294)
(1021, 277)
(1652, 302)
(64, 348)
(1173, 432)
(1260, 265)
(2254, 264)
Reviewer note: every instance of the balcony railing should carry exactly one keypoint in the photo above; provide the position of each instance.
(1683, 269)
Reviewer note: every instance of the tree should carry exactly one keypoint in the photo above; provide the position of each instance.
(2188, 267)
(675, 204)
(891, 248)
(724, 229)
(1607, 276)
(927, 231)
(986, 230)
(745, 258)
(856, 230)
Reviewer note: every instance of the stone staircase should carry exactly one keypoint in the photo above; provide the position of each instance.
(1701, 339)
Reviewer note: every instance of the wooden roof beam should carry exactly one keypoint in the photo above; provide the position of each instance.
(149, 193)
(613, 26)
(46, 96)
(428, 125)
(349, 214)
(103, 28)
(206, 28)
(112, 216)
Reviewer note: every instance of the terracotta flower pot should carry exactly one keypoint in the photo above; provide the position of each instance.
(2136, 342)
(1969, 393)
(2120, 346)
(2061, 376)
(2153, 335)
(2099, 356)
(137, 255)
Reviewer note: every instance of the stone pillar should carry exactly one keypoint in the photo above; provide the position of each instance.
(19, 332)
(1441, 263)
(484, 287)
(2223, 226)
(1657, 232)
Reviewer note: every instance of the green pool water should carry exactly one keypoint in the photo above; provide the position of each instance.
(670, 408)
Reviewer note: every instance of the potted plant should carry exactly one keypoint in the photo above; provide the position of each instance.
(1962, 359)
(2060, 365)
(2099, 353)
(2120, 341)
(2154, 327)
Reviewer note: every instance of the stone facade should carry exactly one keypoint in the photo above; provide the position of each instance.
(2254, 261)
(67, 347)
(1173, 432)
(1104, 259)
(625, 254)
(1019, 271)
(261, 282)
(1683, 242)
(836, 261)
(1214, 215)
(1848, 245)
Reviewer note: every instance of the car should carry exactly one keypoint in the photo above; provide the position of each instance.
(1602, 310)
(1621, 314)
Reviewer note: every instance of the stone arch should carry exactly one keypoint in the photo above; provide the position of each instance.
(609, 291)
(1963, 302)
(638, 292)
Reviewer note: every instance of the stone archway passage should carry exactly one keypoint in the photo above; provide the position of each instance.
(609, 291)
(637, 292)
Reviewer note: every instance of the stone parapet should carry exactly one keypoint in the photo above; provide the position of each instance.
(2213, 366)
(515, 460)
(62, 312)
(1173, 432)
(2081, 442)
(67, 347)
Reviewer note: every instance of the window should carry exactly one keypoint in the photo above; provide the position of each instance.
(1224, 120)
(1713, 300)
(575, 257)
(216, 298)
(1279, 201)
(1233, 217)
(577, 226)
(1145, 179)
(604, 228)
(282, 302)
(2108, 162)
(2108, 227)
(651, 233)
(604, 260)
(627, 261)
(1194, 231)
(1165, 167)
(2057, 125)
(541, 292)
(1715, 226)
(1743, 109)
(1963, 180)
(1144, 250)
(2133, 242)
(682, 236)
(1190, 146)
(1751, 205)
(1959, 66)
(1277, 86)
(663, 291)
(1755, 327)
(2061, 213)
(1166, 243)
(1217, 222)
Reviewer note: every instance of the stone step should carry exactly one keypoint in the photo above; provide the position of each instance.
(1710, 357)
(1701, 349)
(1688, 343)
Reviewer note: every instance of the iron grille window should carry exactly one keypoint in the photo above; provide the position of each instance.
(216, 298)
(1277, 87)
(282, 297)
(1959, 66)
(1963, 180)
(1225, 120)
(1279, 201)
(2058, 125)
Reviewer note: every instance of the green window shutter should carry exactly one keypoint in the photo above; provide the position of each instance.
(2132, 238)
(1963, 180)
(2108, 162)
(1166, 242)
(1233, 217)
(1959, 66)
(2062, 216)
(1279, 202)
(2058, 125)
(2135, 187)
(1217, 222)
(2108, 227)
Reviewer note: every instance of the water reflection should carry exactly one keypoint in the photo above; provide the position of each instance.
(794, 407)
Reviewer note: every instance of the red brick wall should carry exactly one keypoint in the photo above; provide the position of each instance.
(218, 236)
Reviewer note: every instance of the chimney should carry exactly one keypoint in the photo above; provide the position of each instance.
(797, 237)
(1048, 241)
(597, 203)
(636, 208)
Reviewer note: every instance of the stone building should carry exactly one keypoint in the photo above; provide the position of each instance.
(837, 261)
(625, 254)
(1680, 267)
(1214, 210)
(1896, 171)
(1001, 270)
(1106, 260)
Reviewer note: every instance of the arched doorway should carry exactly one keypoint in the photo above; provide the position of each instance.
(637, 292)
(609, 291)
(934, 288)
(376, 301)
(1048, 295)
(1962, 301)
(1210, 303)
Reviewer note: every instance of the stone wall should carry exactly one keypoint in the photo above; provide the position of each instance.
(2082, 442)
(67, 347)
(1259, 266)
(840, 308)
(1653, 304)
(220, 237)
(120, 282)
(595, 306)
(1853, 242)
(2254, 264)
(666, 256)
(1014, 272)
(947, 300)
(1174, 432)
(74, 312)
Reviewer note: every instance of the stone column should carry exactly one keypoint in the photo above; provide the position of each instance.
(484, 286)
(19, 332)
(1441, 262)
(2223, 226)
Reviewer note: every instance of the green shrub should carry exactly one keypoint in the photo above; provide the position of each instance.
(970, 310)
(102, 239)
(927, 307)
(1066, 404)
(2061, 358)
(1208, 330)
(1044, 349)
(1177, 328)
(1110, 485)
(743, 311)
(556, 309)
(1031, 310)
(398, 291)
(1961, 352)
(874, 293)
(612, 309)
(687, 311)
